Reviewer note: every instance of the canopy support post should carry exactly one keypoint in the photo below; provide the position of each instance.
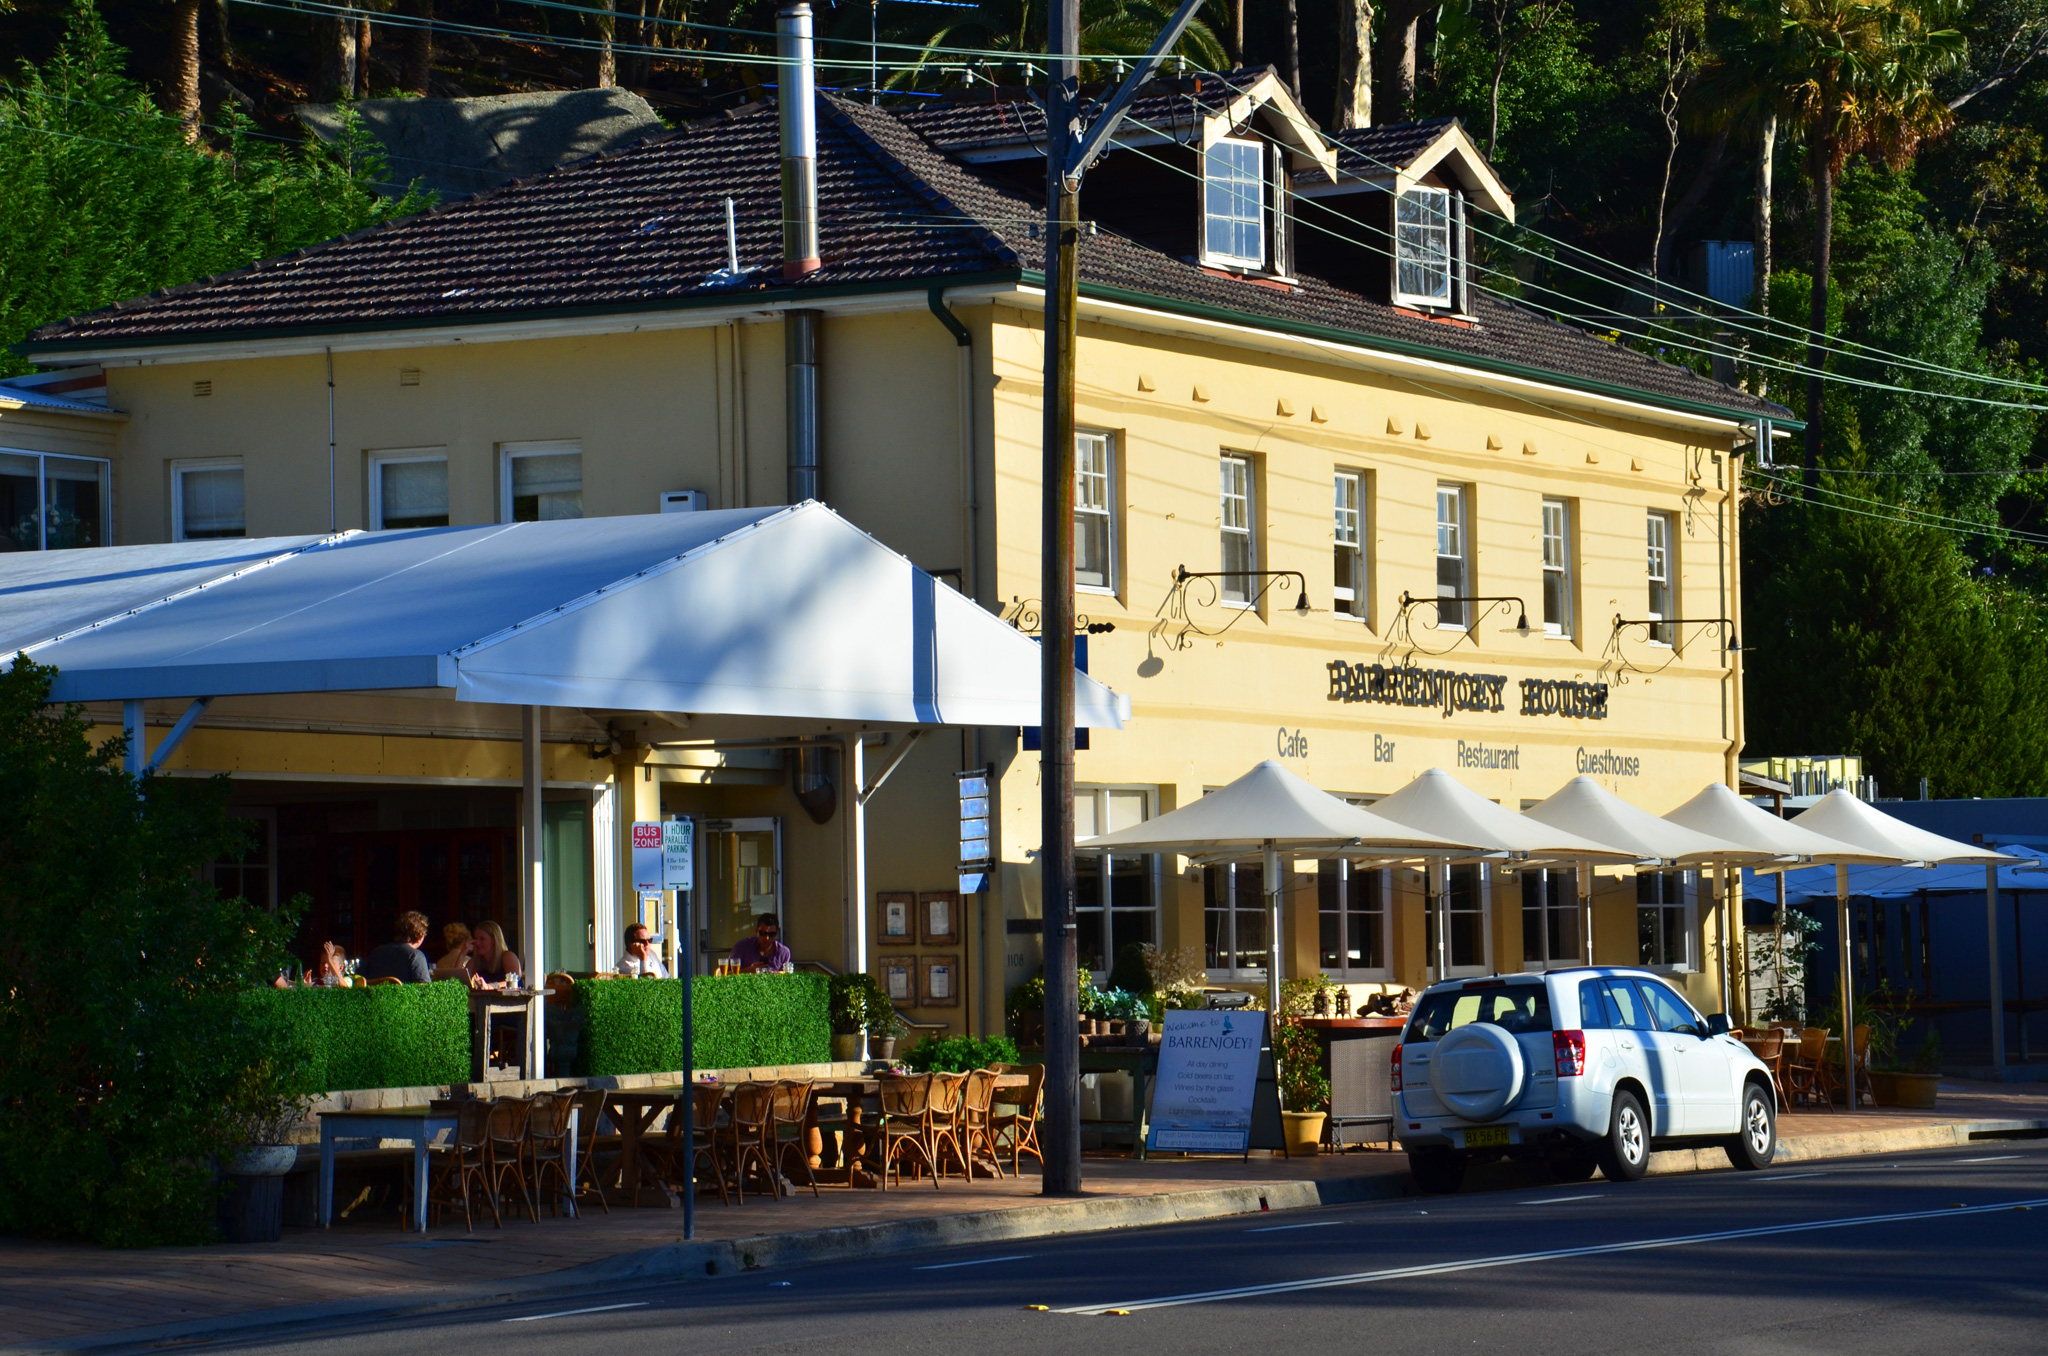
(1271, 861)
(1996, 986)
(177, 734)
(856, 856)
(138, 739)
(1724, 918)
(1440, 885)
(530, 835)
(1848, 985)
(1585, 874)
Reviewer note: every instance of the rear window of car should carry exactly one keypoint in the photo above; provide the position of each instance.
(1517, 1008)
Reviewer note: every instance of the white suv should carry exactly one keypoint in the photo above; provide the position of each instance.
(1583, 1068)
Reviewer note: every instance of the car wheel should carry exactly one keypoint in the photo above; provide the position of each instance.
(1625, 1157)
(1437, 1172)
(1574, 1164)
(1756, 1143)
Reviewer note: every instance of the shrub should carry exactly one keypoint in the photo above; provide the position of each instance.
(958, 1054)
(390, 1036)
(635, 1026)
(1131, 973)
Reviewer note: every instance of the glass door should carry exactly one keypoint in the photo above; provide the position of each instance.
(740, 877)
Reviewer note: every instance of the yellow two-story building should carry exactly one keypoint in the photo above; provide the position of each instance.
(1338, 504)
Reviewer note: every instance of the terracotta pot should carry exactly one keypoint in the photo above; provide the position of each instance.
(1915, 1090)
(1304, 1131)
(884, 1047)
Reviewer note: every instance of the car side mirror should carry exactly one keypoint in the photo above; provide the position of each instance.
(1719, 1025)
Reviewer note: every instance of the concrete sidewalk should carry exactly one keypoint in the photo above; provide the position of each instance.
(67, 1297)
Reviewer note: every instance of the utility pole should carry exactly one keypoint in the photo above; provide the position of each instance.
(1069, 149)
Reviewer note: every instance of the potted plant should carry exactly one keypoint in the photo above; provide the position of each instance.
(847, 1012)
(1914, 1085)
(252, 1209)
(1304, 1089)
(885, 1026)
(1131, 1009)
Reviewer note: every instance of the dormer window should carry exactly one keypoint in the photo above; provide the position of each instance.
(1234, 204)
(1426, 263)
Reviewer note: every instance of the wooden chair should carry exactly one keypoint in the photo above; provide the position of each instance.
(1769, 1047)
(904, 1126)
(546, 1150)
(1017, 1120)
(1863, 1083)
(504, 1153)
(945, 1122)
(380, 981)
(1808, 1071)
(589, 1104)
(791, 1113)
(977, 1120)
(751, 1136)
(458, 1163)
(669, 1159)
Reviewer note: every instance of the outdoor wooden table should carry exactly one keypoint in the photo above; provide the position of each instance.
(483, 1005)
(635, 1111)
(421, 1125)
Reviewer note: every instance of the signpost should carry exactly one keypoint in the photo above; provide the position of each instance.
(664, 859)
(1208, 1076)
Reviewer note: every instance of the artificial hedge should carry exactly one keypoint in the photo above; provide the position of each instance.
(635, 1026)
(390, 1036)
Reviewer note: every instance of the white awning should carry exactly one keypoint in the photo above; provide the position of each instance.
(1584, 807)
(1438, 803)
(1847, 819)
(789, 613)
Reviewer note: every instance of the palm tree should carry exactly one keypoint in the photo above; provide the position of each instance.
(1857, 78)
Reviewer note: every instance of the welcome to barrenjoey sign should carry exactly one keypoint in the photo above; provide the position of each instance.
(1208, 1072)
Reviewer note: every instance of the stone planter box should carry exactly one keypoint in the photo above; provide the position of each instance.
(1913, 1090)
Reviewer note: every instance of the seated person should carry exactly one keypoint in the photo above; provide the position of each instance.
(455, 937)
(401, 957)
(641, 960)
(490, 965)
(332, 968)
(764, 950)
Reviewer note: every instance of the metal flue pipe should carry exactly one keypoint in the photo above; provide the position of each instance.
(798, 103)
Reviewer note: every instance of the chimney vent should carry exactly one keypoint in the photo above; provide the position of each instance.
(798, 101)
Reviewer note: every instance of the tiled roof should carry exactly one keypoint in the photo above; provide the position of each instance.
(970, 124)
(644, 227)
(1373, 150)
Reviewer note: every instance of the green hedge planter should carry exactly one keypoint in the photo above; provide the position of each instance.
(635, 1026)
(391, 1036)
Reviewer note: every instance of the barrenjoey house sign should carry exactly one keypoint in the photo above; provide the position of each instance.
(1449, 691)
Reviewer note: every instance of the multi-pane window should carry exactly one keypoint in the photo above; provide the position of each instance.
(1234, 202)
(52, 503)
(1662, 601)
(1351, 914)
(1348, 585)
(1234, 921)
(1465, 907)
(1663, 933)
(1453, 570)
(543, 482)
(206, 500)
(1240, 541)
(1116, 901)
(1094, 512)
(409, 489)
(1557, 568)
(1550, 918)
(1424, 248)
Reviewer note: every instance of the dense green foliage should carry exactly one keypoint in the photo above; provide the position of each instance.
(131, 1058)
(389, 1036)
(958, 1054)
(105, 200)
(740, 1021)
(858, 1003)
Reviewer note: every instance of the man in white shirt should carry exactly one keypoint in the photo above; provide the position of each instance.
(641, 960)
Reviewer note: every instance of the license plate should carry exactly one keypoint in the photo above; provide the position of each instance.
(1487, 1137)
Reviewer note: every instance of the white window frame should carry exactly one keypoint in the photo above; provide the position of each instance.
(1237, 974)
(1408, 235)
(1236, 186)
(1541, 875)
(1105, 509)
(1101, 793)
(1348, 529)
(511, 452)
(1247, 527)
(1557, 564)
(1459, 526)
(178, 470)
(1690, 889)
(1362, 974)
(395, 457)
(1661, 556)
(1485, 965)
(42, 461)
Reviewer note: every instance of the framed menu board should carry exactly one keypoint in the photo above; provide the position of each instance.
(896, 916)
(899, 979)
(941, 982)
(938, 914)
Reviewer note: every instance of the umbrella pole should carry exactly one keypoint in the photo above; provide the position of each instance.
(1586, 906)
(1721, 919)
(1780, 952)
(1439, 876)
(1996, 988)
(1848, 951)
(1272, 865)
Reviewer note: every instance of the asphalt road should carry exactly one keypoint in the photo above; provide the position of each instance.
(1939, 1252)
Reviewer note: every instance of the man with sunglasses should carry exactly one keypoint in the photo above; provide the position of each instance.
(764, 950)
(642, 958)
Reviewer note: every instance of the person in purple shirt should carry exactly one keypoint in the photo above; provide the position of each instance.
(764, 950)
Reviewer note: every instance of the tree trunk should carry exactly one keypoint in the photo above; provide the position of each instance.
(185, 66)
(416, 52)
(1394, 61)
(224, 40)
(606, 73)
(1294, 49)
(1761, 299)
(1688, 202)
(1823, 257)
(362, 58)
(1237, 33)
(1354, 64)
(334, 60)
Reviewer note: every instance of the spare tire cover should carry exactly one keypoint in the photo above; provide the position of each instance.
(1478, 1071)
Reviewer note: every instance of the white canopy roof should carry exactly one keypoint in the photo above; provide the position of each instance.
(1847, 819)
(1584, 807)
(1436, 802)
(1267, 806)
(772, 612)
(1717, 810)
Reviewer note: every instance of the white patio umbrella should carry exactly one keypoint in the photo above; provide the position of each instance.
(1584, 807)
(1440, 803)
(1266, 812)
(1847, 819)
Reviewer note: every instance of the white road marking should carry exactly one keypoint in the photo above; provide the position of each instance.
(565, 1313)
(1521, 1258)
(1280, 1228)
(1560, 1200)
(1998, 1158)
(1788, 1176)
(977, 1262)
